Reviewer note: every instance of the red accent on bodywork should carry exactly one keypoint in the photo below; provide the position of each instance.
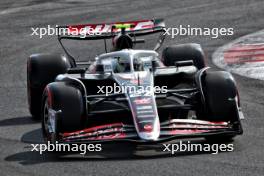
(106, 27)
(106, 137)
(92, 129)
(182, 126)
(140, 101)
(173, 132)
(136, 81)
(49, 96)
(148, 128)
(196, 122)
(195, 126)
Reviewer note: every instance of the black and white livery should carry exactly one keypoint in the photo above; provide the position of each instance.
(153, 98)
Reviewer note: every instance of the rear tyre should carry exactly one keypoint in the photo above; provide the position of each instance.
(67, 101)
(184, 52)
(41, 70)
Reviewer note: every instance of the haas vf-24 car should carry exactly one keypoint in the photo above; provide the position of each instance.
(70, 96)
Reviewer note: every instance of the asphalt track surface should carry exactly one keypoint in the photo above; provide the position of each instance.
(17, 130)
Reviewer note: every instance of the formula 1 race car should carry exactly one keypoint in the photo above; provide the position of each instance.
(131, 94)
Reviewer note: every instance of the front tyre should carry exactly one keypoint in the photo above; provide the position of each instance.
(220, 102)
(62, 110)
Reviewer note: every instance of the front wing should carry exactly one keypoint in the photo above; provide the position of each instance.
(169, 130)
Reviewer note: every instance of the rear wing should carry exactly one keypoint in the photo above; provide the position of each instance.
(109, 30)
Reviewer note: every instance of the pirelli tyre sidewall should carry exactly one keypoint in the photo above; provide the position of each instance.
(67, 101)
(41, 70)
(183, 52)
